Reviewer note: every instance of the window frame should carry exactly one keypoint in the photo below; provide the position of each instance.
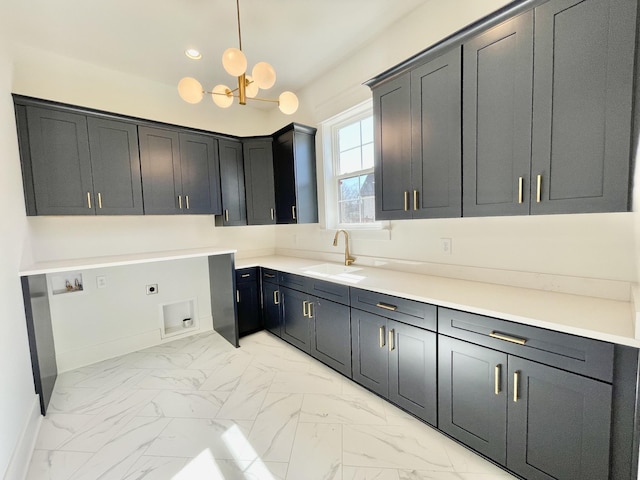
(330, 129)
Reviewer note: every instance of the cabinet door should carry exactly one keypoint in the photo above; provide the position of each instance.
(59, 145)
(285, 178)
(161, 178)
(436, 143)
(258, 175)
(331, 334)
(412, 370)
(369, 351)
(234, 210)
(200, 171)
(392, 148)
(559, 427)
(295, 322)
(115, 163)
(497, 88)
(271, 308)
(248, 298)
(304, 157)
(472, 393)
(583, 85)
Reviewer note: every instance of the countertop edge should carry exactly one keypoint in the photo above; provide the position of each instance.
(624, 318)
(56, 266)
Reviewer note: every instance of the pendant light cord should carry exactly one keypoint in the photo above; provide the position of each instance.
(239, 36)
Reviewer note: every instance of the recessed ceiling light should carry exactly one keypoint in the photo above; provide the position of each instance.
(193, 54)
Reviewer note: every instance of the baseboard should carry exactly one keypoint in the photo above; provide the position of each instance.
(81, 357)
(19, 463)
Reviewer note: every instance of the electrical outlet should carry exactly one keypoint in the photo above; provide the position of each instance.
(152, 289)
(101, 281)
(445, 246)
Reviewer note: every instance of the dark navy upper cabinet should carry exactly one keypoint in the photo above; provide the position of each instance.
(115, 163)
(392, 148)
(497, 96)
(582, 105)
(60, 162)
(259, 181)
(200, 172)
(294, 163)
(180, 172)
(234, 211)
(417, 141)
(436, 158)
(74, 164)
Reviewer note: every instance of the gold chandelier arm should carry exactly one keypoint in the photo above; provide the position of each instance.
(272, 100)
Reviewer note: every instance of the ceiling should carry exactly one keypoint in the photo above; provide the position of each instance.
(302, 39)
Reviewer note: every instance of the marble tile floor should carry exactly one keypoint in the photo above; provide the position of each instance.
(197, 408)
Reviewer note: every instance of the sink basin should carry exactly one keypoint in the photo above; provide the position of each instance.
(330, 269)
(334, 271)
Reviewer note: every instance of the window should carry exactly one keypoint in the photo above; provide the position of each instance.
(353, 154)
(348, 169)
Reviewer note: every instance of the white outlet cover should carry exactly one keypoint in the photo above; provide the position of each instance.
(101, 281)
(446, 246)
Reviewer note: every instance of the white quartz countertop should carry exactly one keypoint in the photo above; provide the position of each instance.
(119, 260)
(597, 318)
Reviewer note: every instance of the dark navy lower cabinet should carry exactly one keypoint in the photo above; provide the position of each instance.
(558, 423)
(396, 361)
(368, 347)
(295, 322)
(331, 334)
(248, 299)
(541, 422)
(272, 316)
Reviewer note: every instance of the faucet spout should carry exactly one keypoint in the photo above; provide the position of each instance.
(348, 259)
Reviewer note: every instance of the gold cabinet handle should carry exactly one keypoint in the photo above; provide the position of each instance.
(89, 199)
(516, 382)
(520, 188)
(293, 212)
(187, 199)
(507, 338)
(273, 214)
(226, 214)
(268, 275)
(310, 310)
(276, 297)
(386, 306)
(99, 200)
(246, 275)
(406, 201)
(304, 308)
(238, 296)
(381, 339)
(180, 202)
(392, 340)
(497, 379)
(415, 200)
(539, 189)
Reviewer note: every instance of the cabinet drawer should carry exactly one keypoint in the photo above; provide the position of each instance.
(246, 274)
(291, 280)
(328, 290)
(585, 356)
(269, 275)
(411, 312)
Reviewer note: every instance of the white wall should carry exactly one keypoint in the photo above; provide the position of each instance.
(17, 395)
(595, 246)
(99, 323)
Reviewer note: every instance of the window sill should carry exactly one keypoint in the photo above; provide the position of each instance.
(378, 232)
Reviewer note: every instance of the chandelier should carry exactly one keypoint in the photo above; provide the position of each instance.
(263, 76)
